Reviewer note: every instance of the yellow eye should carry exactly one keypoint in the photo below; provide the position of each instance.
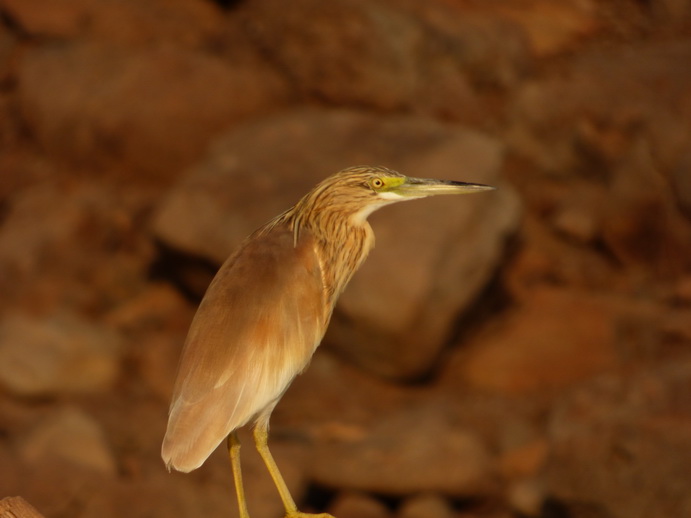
(377, 183)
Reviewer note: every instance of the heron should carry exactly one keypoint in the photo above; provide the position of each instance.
(266, 311)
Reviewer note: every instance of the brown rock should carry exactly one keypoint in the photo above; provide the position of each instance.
(8, 128)
(491, 50)
(320, 54)
(151, 110)
(156, 306)
(553, 339)
(9, 481)
(545, 257)
(413, 451)
(56, 485)
(525, 460)
(622, 443)
(552, 27)
(72, 436)
(681, 182)
(683, 290)
(317, 401)
(642, 226)
(161, 494)
(580, 211)
(179, 22)
(39, 219)
(60, 354)
(445, 249)
(387, 55)
(157, 361)
(527, 496)
(576, 120)
(46, 18)
(358, 505)
(426, 506)
(155, 495)
(209, 490)
(72, 245)
(577, 224)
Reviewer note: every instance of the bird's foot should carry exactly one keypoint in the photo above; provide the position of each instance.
(298, 514)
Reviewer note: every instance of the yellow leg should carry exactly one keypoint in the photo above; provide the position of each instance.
(234, 451)
(261, 436)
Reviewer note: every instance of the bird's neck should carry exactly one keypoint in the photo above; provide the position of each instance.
(342, 245)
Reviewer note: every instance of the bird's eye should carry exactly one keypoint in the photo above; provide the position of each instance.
(377, 183)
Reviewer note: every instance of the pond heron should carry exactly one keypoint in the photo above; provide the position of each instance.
(267, 310)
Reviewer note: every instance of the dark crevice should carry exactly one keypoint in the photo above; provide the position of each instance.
(318, 498)
(227, 5)
(13, 25)
(493, 300)
(191, 275)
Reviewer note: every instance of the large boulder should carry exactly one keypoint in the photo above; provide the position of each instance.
(430, 57)
(148, 111)
(62, 354)
(432, 257)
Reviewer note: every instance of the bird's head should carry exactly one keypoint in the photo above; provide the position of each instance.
(359, 191)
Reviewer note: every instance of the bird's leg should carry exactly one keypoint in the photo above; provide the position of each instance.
(261, 436)
(234, 451)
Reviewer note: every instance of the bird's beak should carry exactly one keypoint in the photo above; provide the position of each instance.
(421, 187)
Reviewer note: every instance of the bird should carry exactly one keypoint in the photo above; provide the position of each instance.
(266, 311)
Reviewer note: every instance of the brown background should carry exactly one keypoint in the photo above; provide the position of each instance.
(524, 352)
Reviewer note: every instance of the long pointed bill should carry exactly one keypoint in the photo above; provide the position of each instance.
(421, 187)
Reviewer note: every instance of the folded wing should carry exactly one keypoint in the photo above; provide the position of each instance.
(256, 328)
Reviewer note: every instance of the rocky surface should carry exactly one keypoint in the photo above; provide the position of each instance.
(426, 506)
(456, 244)
(428, 453)
(356, 505)
(520, 353)
(61, 354)
(72, 436)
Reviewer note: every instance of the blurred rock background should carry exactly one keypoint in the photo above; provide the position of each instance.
(520, 353)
